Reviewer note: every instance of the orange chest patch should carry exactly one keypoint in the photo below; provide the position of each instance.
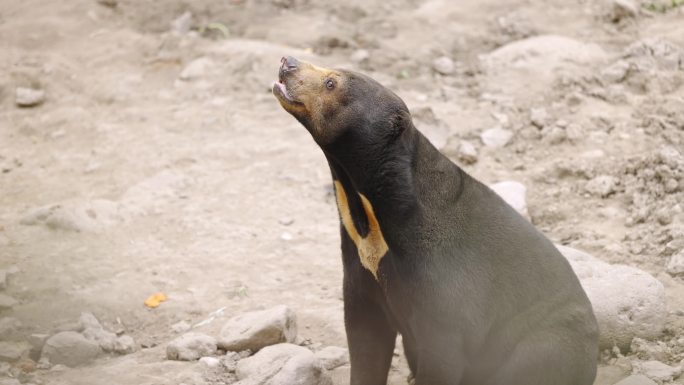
(372, 247)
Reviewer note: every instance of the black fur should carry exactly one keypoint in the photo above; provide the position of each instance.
(479, 296)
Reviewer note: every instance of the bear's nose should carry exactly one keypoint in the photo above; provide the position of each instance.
(288, 63)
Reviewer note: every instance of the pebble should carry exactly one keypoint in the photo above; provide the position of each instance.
(37, 341)
(28, 97)
(124, 345)
(602, 185)
(105, 339)
(514, 194)
(258, 329)
(539, 117)
(6, 302)
(675, 266)
(196, 68)
(360, 56)
(443, 65)
(13, 351)
(88, 320)
(333, 357)
(282, 364)
(616, 72)
(628, 302)
(636, 379)
(181, 25)
(70, 349)
(496, 137)
(181, 327)
(210, 362)
(657, 371)
(467, 153)
(623, 9)
(190, 347)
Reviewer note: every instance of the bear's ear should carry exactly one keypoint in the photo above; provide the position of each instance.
(400, 121)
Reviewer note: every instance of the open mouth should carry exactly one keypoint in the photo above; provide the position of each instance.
(280, 90)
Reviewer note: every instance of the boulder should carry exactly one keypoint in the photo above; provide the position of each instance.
(628, 302)
(657, 371)
(258, 329)
(190, 347)
(514, 194)
(282, 364)
(70, 349)
(13, 351)
(637, 379)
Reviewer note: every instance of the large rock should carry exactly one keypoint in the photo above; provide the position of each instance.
(514, 194)
(258, 329)
(190, 347)
(282, 364)
(70, 349)
(628, 302)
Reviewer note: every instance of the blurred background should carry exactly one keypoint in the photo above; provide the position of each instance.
(142, 152)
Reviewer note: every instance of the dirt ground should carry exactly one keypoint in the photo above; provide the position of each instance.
(138, 174)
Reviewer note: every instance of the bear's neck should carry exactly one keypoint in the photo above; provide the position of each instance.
(384, 177)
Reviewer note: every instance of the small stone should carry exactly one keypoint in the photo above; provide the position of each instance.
(623, 9)
(286, 236)
(181, 25)
(657, 371)
(539, 117)
(7, 302)
(108, 3)
(616, 72)
(124, 345)
(37, 341)
(70, 349)
(636, 379)
(443, 65)
(675, 266)
(28, 97)
(496, 137)
(255, 330)
(602, 185)
(190, 347)
(286, 221)
(196, 69)
(554, 135)
(333, 357)
(13, 351)
(360, 56)
(105, 339)
(88, 320)
(210, 362)
(514, 194)
(180, 327)
(467, 153)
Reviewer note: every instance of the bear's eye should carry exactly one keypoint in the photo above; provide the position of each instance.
(330, 84)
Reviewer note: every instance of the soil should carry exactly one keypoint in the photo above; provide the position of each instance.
(142, 173)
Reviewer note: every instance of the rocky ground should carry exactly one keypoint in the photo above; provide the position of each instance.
(141, 152)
